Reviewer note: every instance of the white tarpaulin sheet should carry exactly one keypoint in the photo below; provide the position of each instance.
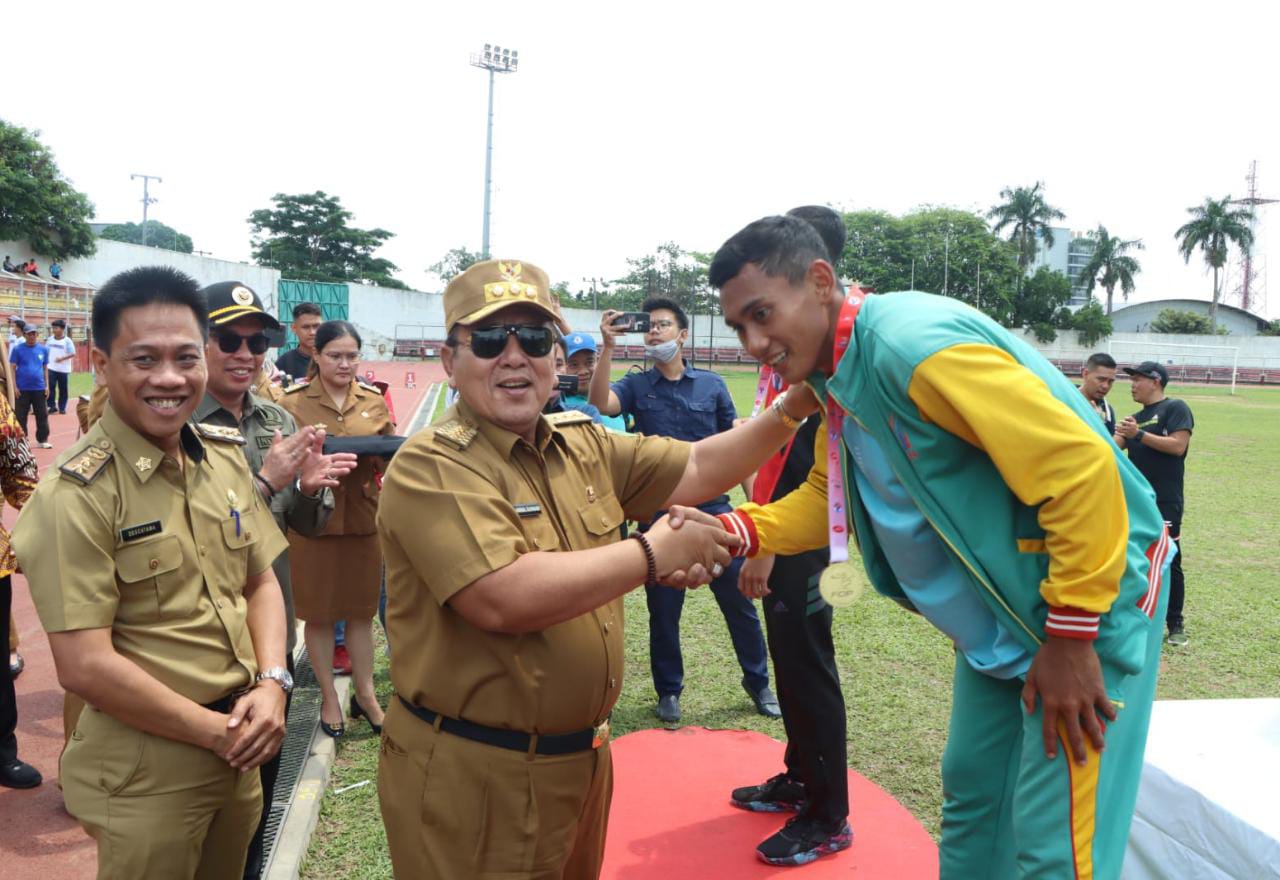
(1209, 801)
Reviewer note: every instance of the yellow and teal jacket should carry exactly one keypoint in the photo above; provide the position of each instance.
(1058, 532)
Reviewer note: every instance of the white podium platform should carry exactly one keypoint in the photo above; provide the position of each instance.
(1209, 801)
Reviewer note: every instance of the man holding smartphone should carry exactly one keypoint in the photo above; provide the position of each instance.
(672, 399)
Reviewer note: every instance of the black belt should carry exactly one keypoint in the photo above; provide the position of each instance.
(225, 704)
(517, 741)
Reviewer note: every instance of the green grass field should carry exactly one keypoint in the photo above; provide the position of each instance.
(896, 669)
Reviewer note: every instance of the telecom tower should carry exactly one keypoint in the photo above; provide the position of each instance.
(1251, 292)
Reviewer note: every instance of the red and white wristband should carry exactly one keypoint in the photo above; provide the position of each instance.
(738, 523)
(1072, 623)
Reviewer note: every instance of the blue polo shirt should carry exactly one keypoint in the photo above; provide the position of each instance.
(29, 361)
(691, 408)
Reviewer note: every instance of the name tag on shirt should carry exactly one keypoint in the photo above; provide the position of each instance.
(133, 533)
(527, 510)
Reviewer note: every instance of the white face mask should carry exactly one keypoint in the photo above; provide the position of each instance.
(663, 352)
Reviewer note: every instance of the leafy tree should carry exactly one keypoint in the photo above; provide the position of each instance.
(1272, 329)
(1091, 323)
(1041, 303)
(1027, 216)
(455, 262)
(1111, 265)
(669, 271)
(158, 235)
(1183, 321)
(308, 238)
(936, 249)
(1214, 227)
(37, 204)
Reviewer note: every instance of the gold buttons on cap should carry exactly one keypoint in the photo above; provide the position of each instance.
(153, 564)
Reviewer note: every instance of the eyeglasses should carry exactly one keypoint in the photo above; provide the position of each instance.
(339, 357)
(488, 342)
(229, 343)
(662, 325)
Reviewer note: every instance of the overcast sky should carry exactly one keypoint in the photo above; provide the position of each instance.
(668, 121)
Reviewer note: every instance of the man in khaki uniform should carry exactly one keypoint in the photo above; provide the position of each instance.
(148, 554)
(293, 475)
(505, 577)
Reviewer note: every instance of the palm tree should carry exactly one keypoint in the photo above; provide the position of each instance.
(1110, 264)
(1214, 227)
(1027, 215)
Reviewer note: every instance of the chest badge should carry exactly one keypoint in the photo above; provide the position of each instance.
(527, 510)
(591, 494)
(143, 463)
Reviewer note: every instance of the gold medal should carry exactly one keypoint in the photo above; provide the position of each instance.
(841, 584)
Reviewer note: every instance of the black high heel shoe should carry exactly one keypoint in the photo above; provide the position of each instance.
(332, 730)
(357, 711)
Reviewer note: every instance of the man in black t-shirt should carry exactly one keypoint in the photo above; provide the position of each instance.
(1157, 437)
(295, 362)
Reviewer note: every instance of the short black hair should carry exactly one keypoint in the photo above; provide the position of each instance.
(828, 224)
(663, 302)
(144, 286)
(58, 322)
(307, 308)
(331, 330)
(1100, 359)
(780, 246)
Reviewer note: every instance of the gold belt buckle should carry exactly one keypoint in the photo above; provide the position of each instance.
(601, 734)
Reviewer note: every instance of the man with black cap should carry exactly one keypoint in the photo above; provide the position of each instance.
(290, 472)
(1157, 437)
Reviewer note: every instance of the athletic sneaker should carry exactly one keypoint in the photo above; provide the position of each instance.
(1178, 637)
(779, 794)
(802, 840)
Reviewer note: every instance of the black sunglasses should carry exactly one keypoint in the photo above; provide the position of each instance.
(230, 342)
(488, 342)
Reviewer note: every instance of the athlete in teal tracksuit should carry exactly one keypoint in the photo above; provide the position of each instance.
(982, 493)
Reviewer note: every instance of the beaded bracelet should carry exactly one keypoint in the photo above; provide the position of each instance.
(649, 558)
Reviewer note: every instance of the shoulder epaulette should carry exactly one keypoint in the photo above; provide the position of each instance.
(295, 388)
(568, 417)
(85, 465)
(220, 433)
(455, 433)
(367, 387)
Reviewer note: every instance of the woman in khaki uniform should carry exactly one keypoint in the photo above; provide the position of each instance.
(338, 575)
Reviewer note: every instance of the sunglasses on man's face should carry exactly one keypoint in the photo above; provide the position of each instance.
(488, 342)
(230, 342)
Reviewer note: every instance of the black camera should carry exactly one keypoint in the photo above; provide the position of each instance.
(632, 322)
(567, 384)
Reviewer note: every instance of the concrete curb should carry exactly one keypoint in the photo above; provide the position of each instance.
(304, 807)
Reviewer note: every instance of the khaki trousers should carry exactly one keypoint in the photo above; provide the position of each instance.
(454, 808)
(158, 808)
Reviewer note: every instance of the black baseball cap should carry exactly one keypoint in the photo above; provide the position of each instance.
(230, 300)
(1151, 370)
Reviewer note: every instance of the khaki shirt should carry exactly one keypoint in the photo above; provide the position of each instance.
(118, 535)
(259, 420)
(363, 412)
(467, 498)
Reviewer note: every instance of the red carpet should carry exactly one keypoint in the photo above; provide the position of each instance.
(671, 818)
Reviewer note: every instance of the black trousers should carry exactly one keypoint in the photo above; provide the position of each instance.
(269, 771)
(58, 391)
(8, 699)
(798, 623)
(37, 400)
(1172, 514)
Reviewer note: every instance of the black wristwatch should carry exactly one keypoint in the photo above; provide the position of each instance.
(1138, 436)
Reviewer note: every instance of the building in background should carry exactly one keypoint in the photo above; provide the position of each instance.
(1068, 255)
(1137, 317)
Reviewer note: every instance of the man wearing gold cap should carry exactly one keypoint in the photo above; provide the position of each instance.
(505, 578)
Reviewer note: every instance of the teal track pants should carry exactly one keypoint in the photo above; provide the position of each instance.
(1008, 812)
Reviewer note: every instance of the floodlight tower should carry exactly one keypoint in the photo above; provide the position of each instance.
(146, 199)
(494, 59)
(1248, 291)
